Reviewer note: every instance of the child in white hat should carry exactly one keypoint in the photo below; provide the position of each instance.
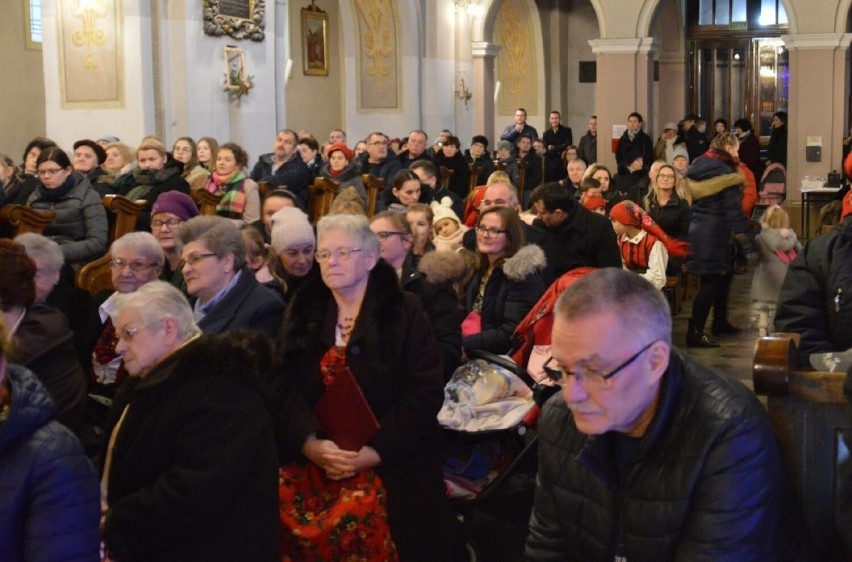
(448, 228)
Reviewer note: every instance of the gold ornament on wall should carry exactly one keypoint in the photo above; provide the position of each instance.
(90, 36)
(377, 41)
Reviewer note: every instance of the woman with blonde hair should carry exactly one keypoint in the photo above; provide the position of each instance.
(668, 203)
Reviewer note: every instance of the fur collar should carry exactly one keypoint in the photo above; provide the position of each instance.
(528, 259)
(378, 331)
(442, 266)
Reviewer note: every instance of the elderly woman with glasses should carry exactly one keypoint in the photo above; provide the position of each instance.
(386, 495)
(506, 285)
(136, 259)
(189, 470)
(227, 296)
(80, 224)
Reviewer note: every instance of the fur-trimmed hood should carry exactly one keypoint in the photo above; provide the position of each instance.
(705, 188)
(527, 260)
(442, 266)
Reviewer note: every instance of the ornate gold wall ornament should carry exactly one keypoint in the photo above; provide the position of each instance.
(377, 38)
(240, 19)
(516, 68)
(90, 36)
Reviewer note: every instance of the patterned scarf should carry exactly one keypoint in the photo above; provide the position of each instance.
(233, 201)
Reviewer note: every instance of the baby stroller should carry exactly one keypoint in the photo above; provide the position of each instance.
(771, 191)
(490, 444)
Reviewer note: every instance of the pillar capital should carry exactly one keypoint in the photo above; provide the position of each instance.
(484, 49)
(802, 41)
(629, 46)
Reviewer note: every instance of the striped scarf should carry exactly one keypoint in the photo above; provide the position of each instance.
(233, 201)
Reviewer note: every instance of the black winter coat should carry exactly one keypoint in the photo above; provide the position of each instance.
(248, 305)
(293, 174)
(641, 143)
(510, 293)
(816, 297)
(460, 180)
(147, 186)
(485, 165)
(194, 472)
(393, 356)
(583, 239)
(705, 482)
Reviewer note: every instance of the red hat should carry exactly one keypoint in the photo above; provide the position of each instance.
(847, 205)
(347, 152)
(629, 213)
(594, 202)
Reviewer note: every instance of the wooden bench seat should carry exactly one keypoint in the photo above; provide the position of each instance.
(18, 219)
(809, 414)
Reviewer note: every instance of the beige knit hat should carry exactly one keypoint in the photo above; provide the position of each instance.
(290, 227)
(443, 210)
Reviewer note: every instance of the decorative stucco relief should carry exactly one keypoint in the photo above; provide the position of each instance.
(378, 54)
(515, 61)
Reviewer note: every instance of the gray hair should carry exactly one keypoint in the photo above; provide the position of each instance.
(639, 304)
(355, 226)
(156, 301)
(219, 234)
(142, 243)
(42, 248)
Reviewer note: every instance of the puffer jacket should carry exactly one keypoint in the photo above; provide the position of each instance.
(816, 297)
(49, 498)
(80, 225)
(512, 290)
(705, 482)
(716, 215)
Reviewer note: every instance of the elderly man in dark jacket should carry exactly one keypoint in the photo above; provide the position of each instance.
(284, 167)
(190, 469)
(647, 455)
(578, 236)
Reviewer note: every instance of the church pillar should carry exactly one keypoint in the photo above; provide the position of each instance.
(484, 54)
(625, 80)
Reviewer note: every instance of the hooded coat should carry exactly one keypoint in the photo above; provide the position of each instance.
(49, 508)
(512, 290)
(771, 269)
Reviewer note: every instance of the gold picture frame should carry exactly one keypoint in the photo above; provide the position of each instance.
(235, 68)
(314, 41)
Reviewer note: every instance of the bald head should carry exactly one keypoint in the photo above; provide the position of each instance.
(500, 194)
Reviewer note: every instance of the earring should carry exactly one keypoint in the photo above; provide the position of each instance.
(227, 270)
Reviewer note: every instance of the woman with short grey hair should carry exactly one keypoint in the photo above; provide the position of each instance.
(227, 295)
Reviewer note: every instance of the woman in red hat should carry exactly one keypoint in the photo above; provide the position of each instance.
(343, 170)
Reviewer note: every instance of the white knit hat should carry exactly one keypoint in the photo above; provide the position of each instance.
(290, 227)
(443, 210)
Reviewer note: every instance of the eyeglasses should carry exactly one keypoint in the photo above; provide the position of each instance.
(384, 235)
(128, 334)
(379, 143)
(193, 259)
(134, 265)
(171, 223)
(342, 254)
(666, 176)
(591, 379)
(488, 231)
(184, 149)
(50, 172)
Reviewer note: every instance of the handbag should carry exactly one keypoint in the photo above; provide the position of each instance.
(472, 324)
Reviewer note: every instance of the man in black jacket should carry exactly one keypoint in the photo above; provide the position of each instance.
(284, 167)
(634, 139)
(581, 237)
(645, 454)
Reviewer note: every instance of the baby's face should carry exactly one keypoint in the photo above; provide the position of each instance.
(446, 227)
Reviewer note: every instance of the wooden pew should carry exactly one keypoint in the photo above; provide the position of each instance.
(446, 176)
(206, 201)
(121, 214)
(320, 196)
(18, 219)
(474, 176)
(522, 169)
(808, 414)
(374, 187)
(95, 276)
(264, 187)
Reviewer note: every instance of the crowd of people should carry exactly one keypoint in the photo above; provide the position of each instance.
(197, 385)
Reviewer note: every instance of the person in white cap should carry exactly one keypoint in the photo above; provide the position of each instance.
(295, 242)
(448, 228)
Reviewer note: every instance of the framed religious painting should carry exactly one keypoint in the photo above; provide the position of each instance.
(315, 41)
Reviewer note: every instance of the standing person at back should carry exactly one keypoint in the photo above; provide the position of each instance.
(519, 128)
(634, 140)
(557, 138)
(588, 147)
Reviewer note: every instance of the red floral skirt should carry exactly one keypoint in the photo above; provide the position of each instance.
(323, 519)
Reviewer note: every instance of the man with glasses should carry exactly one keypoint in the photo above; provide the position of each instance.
(645, 454)
(376, 161)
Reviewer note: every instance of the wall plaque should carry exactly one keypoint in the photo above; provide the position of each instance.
(240, 19)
